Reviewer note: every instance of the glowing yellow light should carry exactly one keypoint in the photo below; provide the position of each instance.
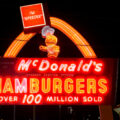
(76, 37)
(34, 85)
(64, 27)
(8, 86)
(80, 86)
(103, 88)
(51, 46)
(46, 88)
(68, 85)
(18, 44)
(91, 83)
(57, 85)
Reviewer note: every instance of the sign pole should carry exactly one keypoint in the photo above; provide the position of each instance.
(14, 112)
(60, 112)
(34, 112)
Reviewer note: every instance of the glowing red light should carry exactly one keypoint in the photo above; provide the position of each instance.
(56, 66)
(36, 81)
(33, 16)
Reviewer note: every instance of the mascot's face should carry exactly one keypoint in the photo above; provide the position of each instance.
(51, 40)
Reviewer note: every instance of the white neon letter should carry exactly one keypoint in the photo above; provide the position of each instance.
(72, 67)
(21, 87)
(35, 63)
(24, 65)
(98, 67)
(54, 67)
(63, 67)
(86, 67)
(44, 65)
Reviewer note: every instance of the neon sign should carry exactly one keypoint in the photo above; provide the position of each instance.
(29, 81)
(68, 66)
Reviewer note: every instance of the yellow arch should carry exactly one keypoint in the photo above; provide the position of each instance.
(61, 25)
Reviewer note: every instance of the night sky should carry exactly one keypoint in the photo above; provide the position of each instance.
(98, 22)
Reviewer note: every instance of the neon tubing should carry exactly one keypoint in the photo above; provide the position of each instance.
(70, 32)
(81, 43)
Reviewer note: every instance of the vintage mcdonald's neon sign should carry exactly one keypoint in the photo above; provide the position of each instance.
(44, 81)
(56, 81)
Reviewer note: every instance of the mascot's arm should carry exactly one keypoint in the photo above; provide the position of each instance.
(43, 48)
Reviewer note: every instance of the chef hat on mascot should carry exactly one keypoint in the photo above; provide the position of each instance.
(47, 30)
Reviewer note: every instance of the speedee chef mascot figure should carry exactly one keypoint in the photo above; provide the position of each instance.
(50, 41)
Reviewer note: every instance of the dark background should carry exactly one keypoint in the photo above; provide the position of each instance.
(98, 22)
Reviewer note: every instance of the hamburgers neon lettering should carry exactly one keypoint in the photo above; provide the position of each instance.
(54, 85)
